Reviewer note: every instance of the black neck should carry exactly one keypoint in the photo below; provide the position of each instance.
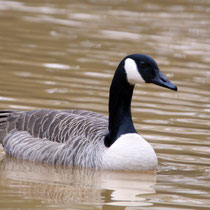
(120, 96)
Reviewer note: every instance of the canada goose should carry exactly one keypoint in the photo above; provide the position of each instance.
(85, 138)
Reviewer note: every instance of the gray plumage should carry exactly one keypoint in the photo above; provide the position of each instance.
(56, 137)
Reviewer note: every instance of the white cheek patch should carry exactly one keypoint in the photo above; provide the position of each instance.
(132, 72)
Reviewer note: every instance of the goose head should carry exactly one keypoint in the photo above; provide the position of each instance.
(140, 67)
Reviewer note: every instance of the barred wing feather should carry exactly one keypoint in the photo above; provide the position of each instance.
(59, 137)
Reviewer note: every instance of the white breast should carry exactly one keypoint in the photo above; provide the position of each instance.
(130, 152)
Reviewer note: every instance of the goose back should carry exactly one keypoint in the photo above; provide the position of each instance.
(57, 137)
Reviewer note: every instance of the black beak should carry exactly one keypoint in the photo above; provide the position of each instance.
(161, 80)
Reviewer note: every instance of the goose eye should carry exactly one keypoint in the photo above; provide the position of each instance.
(142, 64)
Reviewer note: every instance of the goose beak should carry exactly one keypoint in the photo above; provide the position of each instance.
(161, 80)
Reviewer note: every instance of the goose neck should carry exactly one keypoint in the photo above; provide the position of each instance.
(120, 118)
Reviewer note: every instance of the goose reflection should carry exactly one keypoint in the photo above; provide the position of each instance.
(59, 186)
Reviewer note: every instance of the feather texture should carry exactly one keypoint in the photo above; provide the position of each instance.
(57, 137)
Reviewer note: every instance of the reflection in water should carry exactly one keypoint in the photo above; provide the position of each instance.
(69, 186)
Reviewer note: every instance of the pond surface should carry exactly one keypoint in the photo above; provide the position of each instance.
(62, 55)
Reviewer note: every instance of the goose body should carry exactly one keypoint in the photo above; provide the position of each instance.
(85, 138)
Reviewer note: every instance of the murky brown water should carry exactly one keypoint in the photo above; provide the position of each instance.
(62, 55)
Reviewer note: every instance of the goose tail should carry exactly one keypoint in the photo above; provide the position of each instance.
(4, 114)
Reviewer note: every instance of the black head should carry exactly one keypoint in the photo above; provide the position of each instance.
(139, 67)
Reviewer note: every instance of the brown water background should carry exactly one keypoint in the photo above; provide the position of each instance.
(62, 55)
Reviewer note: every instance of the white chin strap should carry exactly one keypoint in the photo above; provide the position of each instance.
(132, 72)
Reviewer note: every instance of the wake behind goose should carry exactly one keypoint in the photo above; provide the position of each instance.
(84, 138)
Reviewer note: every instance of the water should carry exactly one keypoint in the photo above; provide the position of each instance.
(62, 55)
